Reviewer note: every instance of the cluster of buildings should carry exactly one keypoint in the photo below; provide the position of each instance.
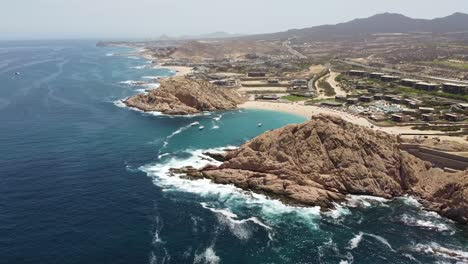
(452, 88)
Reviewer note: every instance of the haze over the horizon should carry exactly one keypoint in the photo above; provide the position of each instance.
(41, 19)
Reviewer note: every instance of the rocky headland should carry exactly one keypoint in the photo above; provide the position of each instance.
(321, 161)
(184, 96)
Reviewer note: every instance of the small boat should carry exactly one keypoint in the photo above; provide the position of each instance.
(259, 124)
(17, 73)
(201, 127)
(196, 123)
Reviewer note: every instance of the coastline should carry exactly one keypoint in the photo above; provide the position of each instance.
(309, 110)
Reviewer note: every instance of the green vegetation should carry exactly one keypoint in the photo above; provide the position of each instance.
(317, 101)
(328, 89)
(448, 64)
(438, 128)
(318, 76)
(412, 91)
(294, 98)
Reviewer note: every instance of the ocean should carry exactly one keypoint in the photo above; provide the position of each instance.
(85, 180)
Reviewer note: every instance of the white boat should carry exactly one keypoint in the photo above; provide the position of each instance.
(195, 124)
(259, 124)
(201, 127)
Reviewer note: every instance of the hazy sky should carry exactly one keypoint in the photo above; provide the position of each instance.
(32, 19)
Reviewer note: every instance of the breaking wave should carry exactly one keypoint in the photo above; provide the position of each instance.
(208, 256)
(356, 240)
(230, 196)
(354, 201)
(424, 223)
(434, 249)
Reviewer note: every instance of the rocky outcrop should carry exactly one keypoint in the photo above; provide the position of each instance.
(183, 96)
(321, 161)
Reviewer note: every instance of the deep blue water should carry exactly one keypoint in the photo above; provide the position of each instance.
(84, 180)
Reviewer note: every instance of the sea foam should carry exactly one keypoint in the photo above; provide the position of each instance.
(271, 210)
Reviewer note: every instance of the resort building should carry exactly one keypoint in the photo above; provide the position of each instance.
(401, 118)
(256, 74)
(389, 78)
(454, 117)
(340, 98)
(376, 75)
(299, 82)
(429, 117)
(409, 82)
(426, 110)
(426, 86)
(366, 99)
(357, 73)
(378, 96)
(455, 88)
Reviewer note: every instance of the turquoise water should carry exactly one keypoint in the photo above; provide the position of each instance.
(84, 180)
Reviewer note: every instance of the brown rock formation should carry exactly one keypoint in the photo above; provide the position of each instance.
(183, 96)
(321, 161)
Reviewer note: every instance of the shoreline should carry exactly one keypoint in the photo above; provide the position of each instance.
(309, 110)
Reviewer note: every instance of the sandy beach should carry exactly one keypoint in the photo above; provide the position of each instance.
(309, 111)
(178, 70)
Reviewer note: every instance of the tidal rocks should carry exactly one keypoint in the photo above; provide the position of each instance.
(184, 96)
(321, 161)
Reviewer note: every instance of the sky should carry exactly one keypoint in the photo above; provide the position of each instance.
(148, 19)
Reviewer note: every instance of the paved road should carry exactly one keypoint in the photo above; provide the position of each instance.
(293, 51)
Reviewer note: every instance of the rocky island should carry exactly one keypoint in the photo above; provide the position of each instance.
(184, 96)
(321, 161)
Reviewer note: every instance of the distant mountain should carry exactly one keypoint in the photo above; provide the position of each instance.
(214, 35)
(381, 23)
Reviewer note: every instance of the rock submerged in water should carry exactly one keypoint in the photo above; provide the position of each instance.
(184, 96)
(321, 161)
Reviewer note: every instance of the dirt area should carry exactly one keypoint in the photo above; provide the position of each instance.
(331, 79)
(443, 145)
(263, 89)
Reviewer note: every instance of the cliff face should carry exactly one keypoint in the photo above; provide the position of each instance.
(183, 96)
(323, 160)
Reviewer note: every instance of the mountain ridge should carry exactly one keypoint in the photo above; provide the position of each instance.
(379, 23)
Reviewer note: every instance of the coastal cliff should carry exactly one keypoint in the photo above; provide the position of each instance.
(321, 161)
(183, 96)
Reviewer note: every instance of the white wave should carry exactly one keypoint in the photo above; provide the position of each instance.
(178, 131)
(152, 85)
(215, 127)
(217, 118)
(157, 230)
(410, 200)
(365, 201)
(133, 57)
(109, 54)
(132, 82)
(338, 212)
(237, 226)
(231, 196)
(427, 224)
(381, 240)
(151, 77)
(163, 155)
(139, 67)
(120, 103)
(435, 249)
(208, 256)
(354, 242)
